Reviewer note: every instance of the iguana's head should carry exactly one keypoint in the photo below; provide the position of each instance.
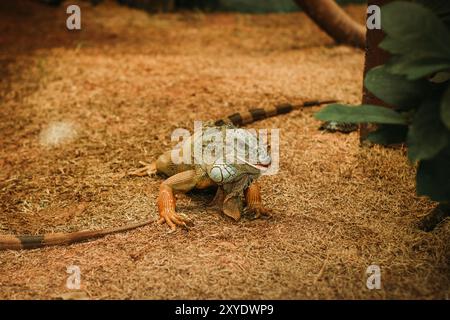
(243, 155)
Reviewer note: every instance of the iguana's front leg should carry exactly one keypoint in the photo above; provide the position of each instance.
(181, 182)
(254, 202)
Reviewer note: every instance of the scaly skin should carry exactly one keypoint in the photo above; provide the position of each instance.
(231, 180)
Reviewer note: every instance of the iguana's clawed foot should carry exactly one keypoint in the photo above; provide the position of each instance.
(254, 204)
(148, 169)
(259, 212)
(173, 220)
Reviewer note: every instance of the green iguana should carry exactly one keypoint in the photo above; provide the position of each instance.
(233, 181)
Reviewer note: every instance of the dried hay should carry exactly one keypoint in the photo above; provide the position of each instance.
(128, 79)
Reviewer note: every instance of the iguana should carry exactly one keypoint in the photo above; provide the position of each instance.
(232, 179)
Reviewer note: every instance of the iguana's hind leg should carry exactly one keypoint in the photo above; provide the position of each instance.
(181, 182)
(254, 202)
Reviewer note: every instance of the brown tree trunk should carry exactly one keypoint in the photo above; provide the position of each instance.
(335, 22)
(375, 56)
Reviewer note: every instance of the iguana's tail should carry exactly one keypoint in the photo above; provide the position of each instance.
(51, 239)
(252, 115)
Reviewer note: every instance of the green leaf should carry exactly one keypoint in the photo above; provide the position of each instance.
(418, 37)
(427, 135)
(417, 29)
(395, 90)
(414, 67)
(360, 114)
(433, 177)
(440, 77)
(388, 134)
(439, 7)
(445, 108)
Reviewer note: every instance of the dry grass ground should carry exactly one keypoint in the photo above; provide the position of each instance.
(79, 109)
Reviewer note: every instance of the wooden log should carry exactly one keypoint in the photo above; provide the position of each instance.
(332, 19)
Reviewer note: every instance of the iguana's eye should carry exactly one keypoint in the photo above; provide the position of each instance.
(222, 173)
(263, 155)
(264, 159)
